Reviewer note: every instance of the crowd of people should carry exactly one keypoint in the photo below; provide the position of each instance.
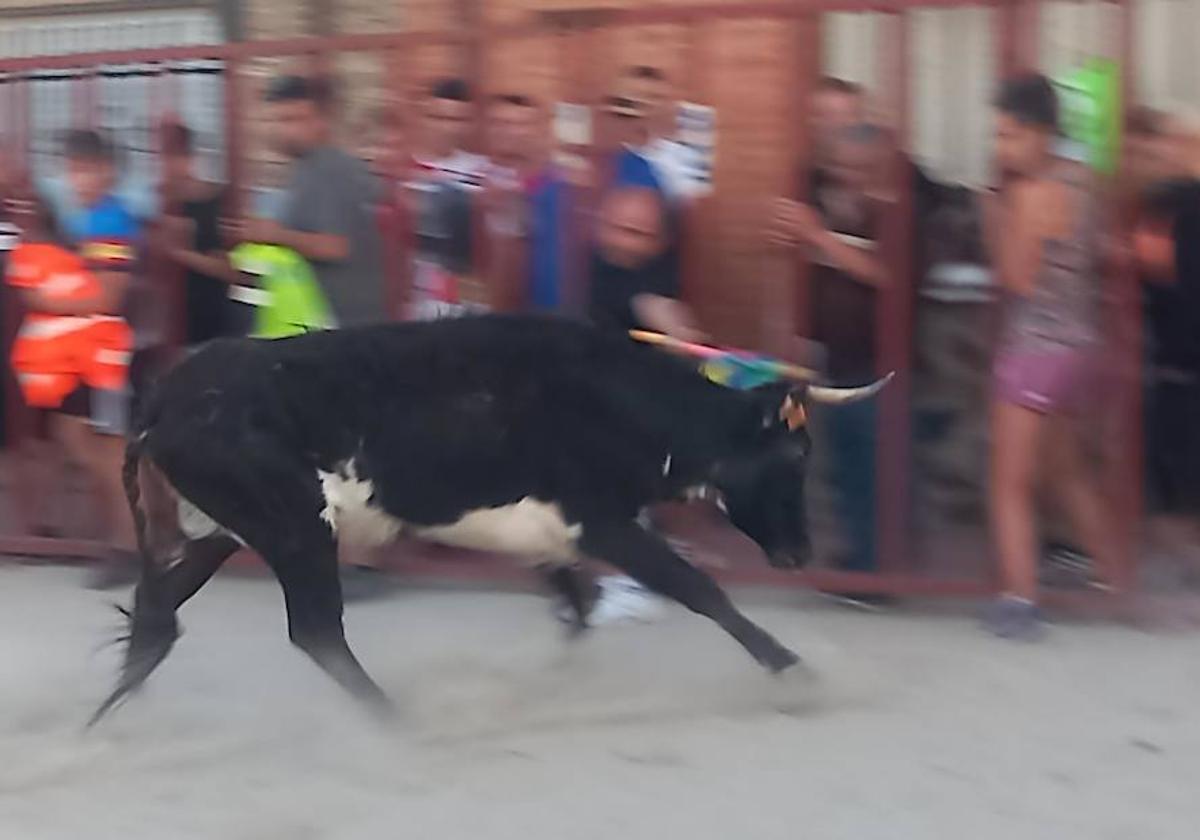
(507, 231)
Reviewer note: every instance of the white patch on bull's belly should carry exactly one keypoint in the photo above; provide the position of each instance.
(528, 527)
(349, 512)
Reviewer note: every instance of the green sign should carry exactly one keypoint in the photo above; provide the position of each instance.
(1091, 110)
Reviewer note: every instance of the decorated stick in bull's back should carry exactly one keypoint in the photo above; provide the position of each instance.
(736, 368)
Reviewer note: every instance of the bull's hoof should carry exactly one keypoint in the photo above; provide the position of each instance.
(780, 659)
(576, 630)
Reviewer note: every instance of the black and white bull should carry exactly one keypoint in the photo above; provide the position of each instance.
(534, 437)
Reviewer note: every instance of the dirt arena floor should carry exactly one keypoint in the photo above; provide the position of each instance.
(917, 728)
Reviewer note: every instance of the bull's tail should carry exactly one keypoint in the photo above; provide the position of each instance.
(151, 624)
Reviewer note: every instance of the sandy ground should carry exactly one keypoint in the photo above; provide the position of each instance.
(918, 727)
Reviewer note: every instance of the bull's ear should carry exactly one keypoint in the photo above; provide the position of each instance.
(782, 404)
(792, 412)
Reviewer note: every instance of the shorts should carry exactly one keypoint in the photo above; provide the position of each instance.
(78, 403)
(110, 411)
(1046, 381)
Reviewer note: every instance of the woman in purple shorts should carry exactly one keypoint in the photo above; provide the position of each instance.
(1043, 233)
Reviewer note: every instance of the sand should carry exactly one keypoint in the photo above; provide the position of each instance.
(918, 727)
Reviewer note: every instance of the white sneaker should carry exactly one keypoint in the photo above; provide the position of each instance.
(624, 599)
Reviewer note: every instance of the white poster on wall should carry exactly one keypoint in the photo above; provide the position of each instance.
(572, 124)
(696, 133)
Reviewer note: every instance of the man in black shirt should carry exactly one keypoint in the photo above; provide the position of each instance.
(1168, 248)
(194, 236)
(632, 285)
(839, 229)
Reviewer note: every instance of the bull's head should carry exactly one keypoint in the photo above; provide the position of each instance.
(762, 488)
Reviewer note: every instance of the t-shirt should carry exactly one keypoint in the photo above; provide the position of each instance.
(333, 193)
(540, 213)
(843, 307)
(108, 237)
(549, 235)
(206, 297)
(613, 288)
(106, 221)
(634, 169)
(443, 228)
(1173, 309)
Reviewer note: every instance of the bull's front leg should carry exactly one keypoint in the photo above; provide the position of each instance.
(647, 558)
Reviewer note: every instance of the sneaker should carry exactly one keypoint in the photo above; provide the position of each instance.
(119, 569)
(1066, 567)
(365, 583)
(1014, 618)
(623, 599)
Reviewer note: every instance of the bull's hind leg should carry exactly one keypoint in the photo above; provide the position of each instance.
(646, 557)
(153, 627)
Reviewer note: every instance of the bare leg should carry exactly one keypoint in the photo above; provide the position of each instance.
(40, 464)
(101, 456)
(1080, 496)
(1015, 434)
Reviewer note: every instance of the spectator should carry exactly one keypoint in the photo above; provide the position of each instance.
(381, 142)
(72, 345)
(100, 228)
(528, 209)
(1167, 246)
(441, 186)
(630, 285)
(836, 105)
(840, 229)
(326, 213)
(1042, 228)
(194, 239)
(649, 156)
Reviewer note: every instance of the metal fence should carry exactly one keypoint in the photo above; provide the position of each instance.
(130, 92)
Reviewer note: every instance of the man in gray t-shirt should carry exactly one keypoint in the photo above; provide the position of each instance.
(326, 214)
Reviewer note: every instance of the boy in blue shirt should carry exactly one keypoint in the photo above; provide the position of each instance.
(98, 226)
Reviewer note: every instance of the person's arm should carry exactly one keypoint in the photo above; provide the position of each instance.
(107, 300)
(666, 315)
(799, 223)
(188, 243)
(36, 301)
(316, 223)
(215, 265)
(315, 246)
(850, 260)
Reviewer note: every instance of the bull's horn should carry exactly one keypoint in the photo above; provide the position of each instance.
(842, 396)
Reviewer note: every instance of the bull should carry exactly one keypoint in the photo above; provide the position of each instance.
(534, 437)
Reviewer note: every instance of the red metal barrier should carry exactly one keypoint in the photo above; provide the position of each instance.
(785, 309)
